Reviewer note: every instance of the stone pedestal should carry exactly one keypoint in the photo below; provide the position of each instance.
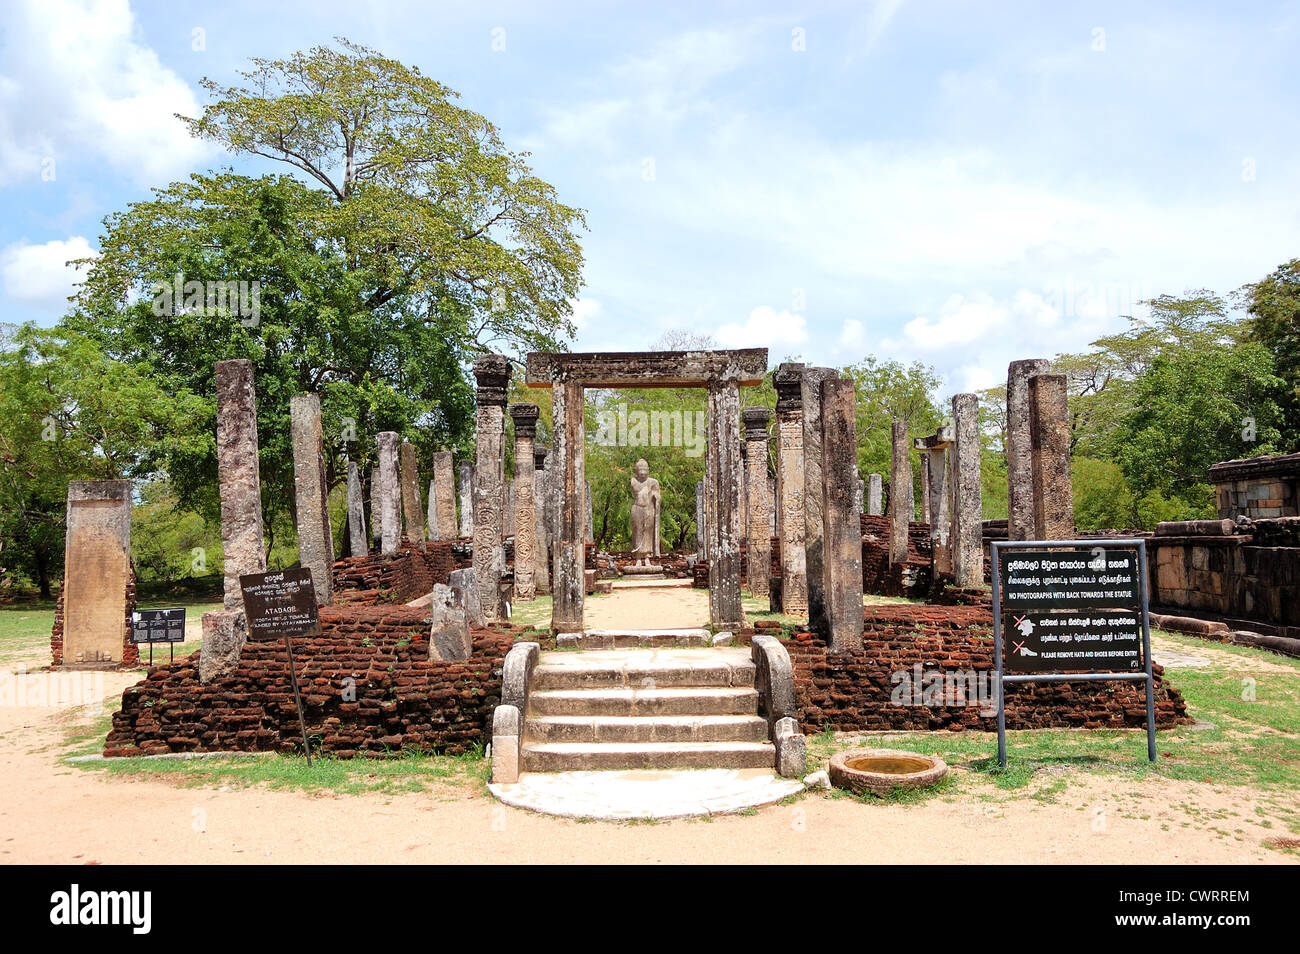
(390, 507)
(311, 494)
(358, 541)
(966, 535)
(1020, 467)
(525, 419)
(757, 531)
(841, 527)
(901, 505)
(492, 373)
(1049, 439)
(788, 379)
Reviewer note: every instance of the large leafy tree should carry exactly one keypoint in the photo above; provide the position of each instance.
(1274, 307)
(67, 412)
(404, 239)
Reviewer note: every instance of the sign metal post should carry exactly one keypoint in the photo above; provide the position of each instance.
(1104, 613)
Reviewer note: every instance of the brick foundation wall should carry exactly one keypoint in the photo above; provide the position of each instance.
(852, 691)
(398, 577)
(401, 700)
(130, 651)
(913, 577)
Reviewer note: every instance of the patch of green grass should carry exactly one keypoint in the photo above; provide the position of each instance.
(25, 632)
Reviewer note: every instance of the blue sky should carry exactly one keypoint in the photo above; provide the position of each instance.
(958, 183)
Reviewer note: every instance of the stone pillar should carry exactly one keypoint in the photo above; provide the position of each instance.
(758, 536)
(701, 538)
(858, 496)
(542, 504)
(723, 501)
(1049, 439)
(811, 385)
(588, 520)
(1020, 468)
(508, 515)
(311, 494)
(926, 509)
(875, 495)
(431, 503)
(525, 418)
(242, 545)
(357, 539)
(941, 550)
(567, 573)
(466, 498)
(967, 528)
(772, 508)
(376, 521)
(412, 509)
(96, 573)
(390, 533)
(900, 493)
(443, 490)
(788, 379)
(841, 528)
(492, 373)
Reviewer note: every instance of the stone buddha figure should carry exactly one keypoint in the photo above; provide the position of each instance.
(646, 500)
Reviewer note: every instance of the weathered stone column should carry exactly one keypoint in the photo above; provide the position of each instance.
(311, 495)
(875, 495)
(925, 485)
(466, 499)
(858, 496)
(940, 520)
(444, 491)
(723, 500)
(967, 528)
(1049, 438)
(492, 373)
(390, 533)
(814, 490)
(841, 528)
(412, 510)
(788, 379)
(376, 518)
(588, 521)
(542, 504)
(508, 514)
(1020, 467)
(242, 545)
(431, 503)
(357, 539)
(900, 493)
(567, 574)
(525, 418)
(701, 537)
(96, 574)
(757, 531)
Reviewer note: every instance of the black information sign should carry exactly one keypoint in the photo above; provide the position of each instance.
(158, 625)
(1038, 641)
(1071, 610)
(1055, 579)
(279, 604)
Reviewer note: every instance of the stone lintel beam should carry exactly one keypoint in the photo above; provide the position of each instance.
(648, 369)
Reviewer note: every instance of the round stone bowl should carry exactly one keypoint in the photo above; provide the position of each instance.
(881, 771)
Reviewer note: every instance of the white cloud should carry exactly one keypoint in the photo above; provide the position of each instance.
(853, 335)
(38, 275)
(77, 84)
(585, 310)
(764, 328)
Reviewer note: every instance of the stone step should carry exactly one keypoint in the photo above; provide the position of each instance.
(587, 756)
(624, 701)
(642, 669)
(632, 638)
(713, 728)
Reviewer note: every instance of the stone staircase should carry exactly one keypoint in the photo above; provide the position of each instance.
(654, 704)
(644, 709)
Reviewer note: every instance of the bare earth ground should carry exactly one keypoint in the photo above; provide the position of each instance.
(53, 812)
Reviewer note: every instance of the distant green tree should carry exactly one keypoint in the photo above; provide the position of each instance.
(1274, 307)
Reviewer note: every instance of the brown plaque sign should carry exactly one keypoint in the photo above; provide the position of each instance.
(282, 603)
